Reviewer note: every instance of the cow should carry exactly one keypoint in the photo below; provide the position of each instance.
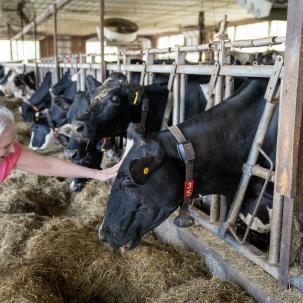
(149, 184)
(40, 100)
(64, 89)
(18, 85)
(118, 103)
(63, 110)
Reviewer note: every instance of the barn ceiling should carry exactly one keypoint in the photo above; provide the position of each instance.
(80, 17)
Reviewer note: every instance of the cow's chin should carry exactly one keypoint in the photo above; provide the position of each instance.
(121, 245)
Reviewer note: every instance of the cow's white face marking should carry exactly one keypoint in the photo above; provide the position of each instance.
(204, 88)
(257, 224)
(48, 139)
(129, 145)
(75, 77)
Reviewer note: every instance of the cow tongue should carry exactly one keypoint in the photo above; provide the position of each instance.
(123, 249)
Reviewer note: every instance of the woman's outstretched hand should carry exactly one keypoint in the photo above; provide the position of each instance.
(108, 173)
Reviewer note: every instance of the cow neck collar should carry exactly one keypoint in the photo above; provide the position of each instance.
(187, 155)
(210, 161)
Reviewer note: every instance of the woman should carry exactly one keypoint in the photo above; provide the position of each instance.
(14, 155)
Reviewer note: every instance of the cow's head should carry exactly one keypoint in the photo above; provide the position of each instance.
(40, 100)
(41, 137)
(108, 113)
(147, 189)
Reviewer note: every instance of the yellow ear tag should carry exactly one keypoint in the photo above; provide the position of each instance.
(136, 97)
(145, 171)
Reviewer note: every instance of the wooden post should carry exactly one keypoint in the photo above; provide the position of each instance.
(10, 41)
(102, 41)
(289, 170)
(56, 73)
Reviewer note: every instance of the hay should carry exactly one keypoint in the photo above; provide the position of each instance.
(10, 103)
(206, 291)
(65, 258)
(23, 132)
(14, 231)
(90, 203)
(24, 193)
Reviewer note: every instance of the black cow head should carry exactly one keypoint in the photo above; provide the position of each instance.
(145, 192)
(40, 100)
(108, 114)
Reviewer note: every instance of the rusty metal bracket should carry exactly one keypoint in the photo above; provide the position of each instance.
(143, 73)
(273, 80)
(172, 76)
(169, 104)
(212, 84)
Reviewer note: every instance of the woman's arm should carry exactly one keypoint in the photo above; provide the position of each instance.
(32, 162)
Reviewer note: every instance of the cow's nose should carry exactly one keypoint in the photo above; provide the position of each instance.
(77, 126)
(102, 236)
(69, 153)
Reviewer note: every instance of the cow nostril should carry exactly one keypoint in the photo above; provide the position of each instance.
(102, 235)
(69, 153)
(79, 128)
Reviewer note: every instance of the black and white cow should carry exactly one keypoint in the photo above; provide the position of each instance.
(117, 103)
(149, 184)
(40, 100)
(18, 85)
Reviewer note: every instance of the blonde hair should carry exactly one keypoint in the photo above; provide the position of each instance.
(6, 119)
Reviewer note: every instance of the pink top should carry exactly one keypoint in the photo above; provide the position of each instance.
(9, 162)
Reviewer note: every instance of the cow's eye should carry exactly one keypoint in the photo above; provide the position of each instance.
(116, 99)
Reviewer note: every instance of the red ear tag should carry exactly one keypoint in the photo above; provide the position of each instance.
(188, 188)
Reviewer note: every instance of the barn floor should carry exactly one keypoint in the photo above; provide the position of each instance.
(49, 251)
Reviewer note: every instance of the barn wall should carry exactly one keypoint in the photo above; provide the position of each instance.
(78, 44)
(66, 45)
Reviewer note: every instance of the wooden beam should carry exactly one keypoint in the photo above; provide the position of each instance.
(38, 20)
(290, 120)
(289, 169)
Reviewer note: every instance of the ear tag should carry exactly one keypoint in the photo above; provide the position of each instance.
(136, 97)
(145, 171)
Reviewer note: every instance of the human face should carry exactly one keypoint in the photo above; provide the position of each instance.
(7, 140)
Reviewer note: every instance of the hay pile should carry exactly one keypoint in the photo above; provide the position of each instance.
(24, 193)
(206, 291)
(91, 202)
(65, 258)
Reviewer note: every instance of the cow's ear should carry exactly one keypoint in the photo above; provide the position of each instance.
(140, 169)
(135, 95)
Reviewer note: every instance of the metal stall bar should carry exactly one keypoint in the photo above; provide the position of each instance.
(82, 72)
(215, 199)
(55, 37)
(289, 173)
(254, 152)
(36, 66)
(211, 46)
(176, 90)
(225, 70)
(149, 60)
(276, 220)
(102, 63)
(183, 87)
